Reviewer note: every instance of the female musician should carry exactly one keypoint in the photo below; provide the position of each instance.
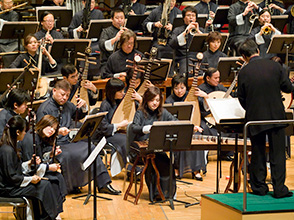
(15, 184)
(149, 111)
(186, 160)
(16, 104)
(31, 44)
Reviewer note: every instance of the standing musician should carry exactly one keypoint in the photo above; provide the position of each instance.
(153, 25)
(116, 63)
(260, 83)
(31, 44)
(136, 8)
(73, 154)
(239, 22)
(111, 35)
(274, 7)
(70, 73)
(263, 34)
(208, 8)
(182, 37)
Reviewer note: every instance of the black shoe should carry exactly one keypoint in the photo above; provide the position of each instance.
(196, 177)
(109, 190)
(75, 190)
(227, 158)
(289, 194)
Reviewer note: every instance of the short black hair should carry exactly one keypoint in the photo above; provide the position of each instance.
(18, 96)
(44, 14)
(113, 85)
(116, 10)
(68, 69)
(209, 72)
(189, 8)
(248, 48)
(178, 79)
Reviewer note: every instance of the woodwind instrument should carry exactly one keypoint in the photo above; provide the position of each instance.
(163, 33)
(196, 115)
(58, 126)
(209, 17)
(86, 18)
(14, 7)
(153, 53)
(126, 109)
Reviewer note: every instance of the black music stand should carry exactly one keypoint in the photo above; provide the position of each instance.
(68, 48)
(144, 44)
(85, 132)
(228, 68)
(221, 15)
(134, 22)
(62, 15)
(169, 136)
(180, 110)
(159, 72)
(96, 27)
(18, 30)
(279, 21)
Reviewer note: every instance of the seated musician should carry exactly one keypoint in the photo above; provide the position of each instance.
(152, 24)
(15, 104)
(186, 160)
(116, 63)
(290, 12)
(275, 7)
(110, 36)
(32, 45)
(54, 3)
(263, 34)
(70, 73)
(136, 8)
(149, 111)
(73, 154)
(207, 7)
(211, 84)
(181, 38)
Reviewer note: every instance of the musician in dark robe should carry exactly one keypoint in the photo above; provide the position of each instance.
(70, 73)
(260, 83)
(153, 25)
(15, 104)
(207, 7)
(14, 183)
(110, 36)
(275, 7)
(261, 38)
(211, 84)
(8, 45)
(186, 161)
(181, 39)
(151, 110)
(239, 24)
(54, 3)
(31, 44)
(136, 8)
(73, 154)
(290, 13)
(116, 63)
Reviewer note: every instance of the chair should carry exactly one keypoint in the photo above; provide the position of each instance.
(19, 206)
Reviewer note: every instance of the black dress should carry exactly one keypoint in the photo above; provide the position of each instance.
(5, 115)
(161, 159)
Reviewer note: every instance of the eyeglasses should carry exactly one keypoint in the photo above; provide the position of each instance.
(49, 21)
(8, 3)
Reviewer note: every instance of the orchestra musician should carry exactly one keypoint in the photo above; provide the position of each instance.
(260, 83)
(290, 13)
(116, 63)
(208, 8)
(275, 7)
(182, 37)
(54, 3)
(73, 154)
(263, 34)
(110, 36)
(239, 22)
(16, 182)
(32, 45)
(136, 8)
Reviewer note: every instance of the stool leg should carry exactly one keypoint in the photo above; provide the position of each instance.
(132, 178)
(141, 182)
(158, 178)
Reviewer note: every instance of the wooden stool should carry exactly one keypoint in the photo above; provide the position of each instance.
(19, 205)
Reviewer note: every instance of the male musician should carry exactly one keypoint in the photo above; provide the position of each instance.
(207, 7)
(239, 23)
(260, 83)
(153, 25)
(72, 153)
(275, 7)
(116, 63)
(259, 35)
(8, 45)
(111, 35)
(53, 3)
(181, 35)
(70, 73)
(290, 12)
(136, 7)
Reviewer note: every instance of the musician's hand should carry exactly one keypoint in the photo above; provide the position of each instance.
(32, 161)
(45, 51)
(200, 93)
(54, 167)
(11, 88)
(49, 38)
(168, 27)
(208, 23)
(63, 131)
(89, 85)
(119, 33)
(81, 103)
(198, 129)
(148, 84)
(79, 29)
(158, 24)
(132, 12)
(57, 151)
(122, 74)
(35, 179)
(211, 14)
(136, 96)
(122, 124)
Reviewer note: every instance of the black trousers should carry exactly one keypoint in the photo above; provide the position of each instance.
(277, 158)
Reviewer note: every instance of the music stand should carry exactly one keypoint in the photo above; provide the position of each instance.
(180, 110)
(134, 22)
(68, 48)
(279, 21)
(18, 30)
(86, 131)
(199, 43)
(144, 43)
(221, 15)
(228, 68)
(62, 15)
(169, 136)
(159, 72)
(96, 27)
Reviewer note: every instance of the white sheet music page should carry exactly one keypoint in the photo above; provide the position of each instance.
(226, 110)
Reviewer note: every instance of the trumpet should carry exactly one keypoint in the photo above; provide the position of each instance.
(292, 11)
(267, 30)
(253, 17)
(193, 31)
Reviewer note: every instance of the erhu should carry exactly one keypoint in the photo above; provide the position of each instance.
(163, 33)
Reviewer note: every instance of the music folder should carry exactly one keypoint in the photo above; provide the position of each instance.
(180, 110)
(134, 22)
(96, 27)
(159, 71)
(221, 15)
(228, 68)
